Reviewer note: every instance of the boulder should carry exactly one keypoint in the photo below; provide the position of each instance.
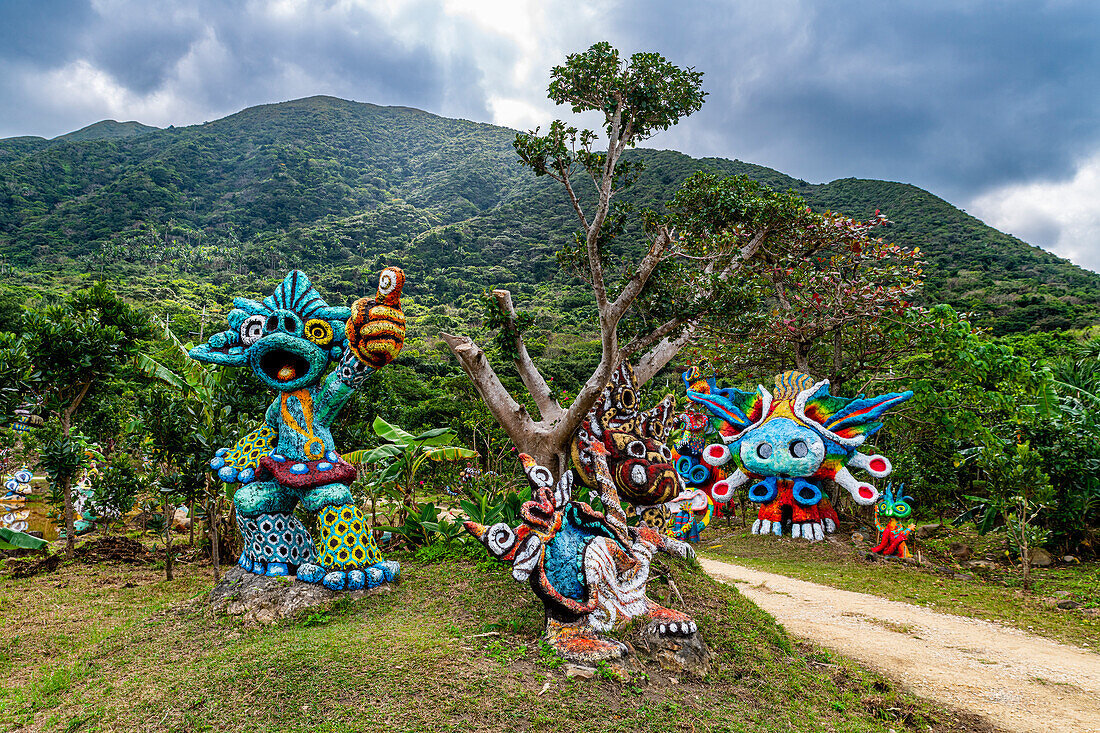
(688, 655)
(857, 537)
(985, 564)
(263, 600)
(927, 530)
(1070, 559)
(1067, 604)
(1040, 558)
(959, 551)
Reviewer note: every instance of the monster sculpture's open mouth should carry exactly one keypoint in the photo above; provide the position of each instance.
(283, 366)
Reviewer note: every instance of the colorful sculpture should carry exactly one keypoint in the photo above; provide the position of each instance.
(288, 341)
(789, 443)
(17, 487)
(588, 568)
(639, 460)
(893, 509)
(689, 456)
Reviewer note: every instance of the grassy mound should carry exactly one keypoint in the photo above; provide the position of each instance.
(456, 648)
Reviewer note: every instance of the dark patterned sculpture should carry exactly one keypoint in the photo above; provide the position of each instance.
(289, 340)
(588, 568)
(789, 443)
(639, 461)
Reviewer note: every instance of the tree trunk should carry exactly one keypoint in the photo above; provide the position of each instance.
(66, 493)
(802, 356)
(191, 516)
(167, 539)
(212, 520)
(70, 520)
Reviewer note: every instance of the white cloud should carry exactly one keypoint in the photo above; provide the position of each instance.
(1060, 216)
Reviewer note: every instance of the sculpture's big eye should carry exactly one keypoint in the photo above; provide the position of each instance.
(764, 450)
(541, 476)
(666, 452)
(252, 329)
(902, 510)
(627, 399)
(636, 449)
(798, 448)
(387, 281)
(319, 332)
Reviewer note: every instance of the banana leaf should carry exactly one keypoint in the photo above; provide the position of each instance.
(13, 540)
(450, 453)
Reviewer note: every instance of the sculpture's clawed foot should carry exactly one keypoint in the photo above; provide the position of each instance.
(667, 622)
(812, 531)
(581, 644)
(261, 567)
(354, 579)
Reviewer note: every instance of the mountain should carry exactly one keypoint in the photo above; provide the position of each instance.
(340, 187)
(107, 130)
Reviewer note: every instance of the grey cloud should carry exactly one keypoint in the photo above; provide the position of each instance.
(218, 57)
(951, 96)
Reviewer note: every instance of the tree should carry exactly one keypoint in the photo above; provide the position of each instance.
(74, 347)
(709, 231)
(836, 303)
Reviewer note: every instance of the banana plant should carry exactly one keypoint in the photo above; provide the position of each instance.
(405, 454)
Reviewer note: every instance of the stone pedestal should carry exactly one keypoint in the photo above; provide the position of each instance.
(260, 599)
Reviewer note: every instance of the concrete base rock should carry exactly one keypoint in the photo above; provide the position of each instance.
(263, 600)
(682, 655)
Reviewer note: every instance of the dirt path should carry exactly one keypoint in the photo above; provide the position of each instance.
(1018, 681)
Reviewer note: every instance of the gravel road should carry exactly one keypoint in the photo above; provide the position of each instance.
(1018, 681)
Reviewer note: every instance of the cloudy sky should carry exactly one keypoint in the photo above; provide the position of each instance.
(993, 105)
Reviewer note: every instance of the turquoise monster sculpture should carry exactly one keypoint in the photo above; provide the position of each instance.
(786, 445)
(289, 340)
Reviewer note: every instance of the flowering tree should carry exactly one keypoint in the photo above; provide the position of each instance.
(837, 301)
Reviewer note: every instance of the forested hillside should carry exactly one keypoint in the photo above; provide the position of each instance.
(342, 187)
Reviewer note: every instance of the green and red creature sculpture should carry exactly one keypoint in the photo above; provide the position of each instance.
(786, 445)
(892, 510)
(289, 340)
(587, 567)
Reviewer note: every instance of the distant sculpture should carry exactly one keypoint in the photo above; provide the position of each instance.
(789, 443)
(288, 341)
(891, 512)
(683, 518)
(17, 487)
(691, 460)
(587, 567)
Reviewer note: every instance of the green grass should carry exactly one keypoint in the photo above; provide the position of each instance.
(455, 648)
(991, 594)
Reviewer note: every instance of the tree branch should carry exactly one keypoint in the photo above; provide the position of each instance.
(644, 342)
(548, 407)
(641, 275)
(587, 397)
(511, 415)
(661, 354)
